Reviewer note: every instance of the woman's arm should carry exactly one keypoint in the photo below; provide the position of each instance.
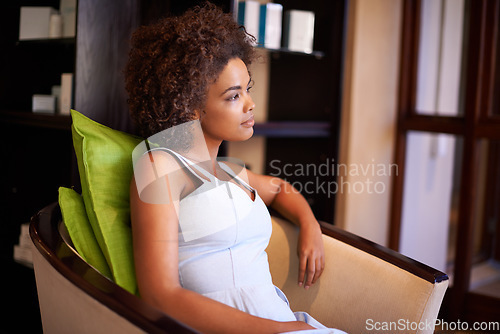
(155, 239)
(284, 198)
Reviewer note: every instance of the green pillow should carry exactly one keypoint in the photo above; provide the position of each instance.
(104, 159)
(79, 229)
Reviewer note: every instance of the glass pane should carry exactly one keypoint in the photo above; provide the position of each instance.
(485, 275)
(431, 187)
(440, 57)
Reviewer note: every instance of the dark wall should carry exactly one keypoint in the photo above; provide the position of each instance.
(103, 40)
(103, 34)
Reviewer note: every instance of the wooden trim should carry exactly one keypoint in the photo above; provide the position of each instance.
(438, 124)
(397, 191)
(490, 206)
(39, 120)
(399, 260)
(489, 131)
(465, 233)
(494, 114)
(494, 198)
(409, 65)
(45, 235)
(489, 36)
(470, 160)
(406, 103)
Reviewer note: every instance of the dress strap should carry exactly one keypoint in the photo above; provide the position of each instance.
(187, 163)
(231, 173)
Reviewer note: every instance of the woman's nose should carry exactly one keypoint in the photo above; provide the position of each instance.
(250, 105)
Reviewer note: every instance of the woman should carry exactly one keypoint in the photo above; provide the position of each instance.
(201, 226)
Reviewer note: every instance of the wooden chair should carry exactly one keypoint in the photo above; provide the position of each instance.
(365, 287)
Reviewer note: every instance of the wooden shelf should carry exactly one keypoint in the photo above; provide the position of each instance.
(316, 54)
(47, 41)
(283, 129)
(40, 120)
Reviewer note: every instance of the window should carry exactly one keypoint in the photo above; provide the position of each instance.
(446, 200)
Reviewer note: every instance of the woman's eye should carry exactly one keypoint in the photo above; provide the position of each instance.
(250, 86)
(234, 97)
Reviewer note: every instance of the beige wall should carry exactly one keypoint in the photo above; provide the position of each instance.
(368, 117)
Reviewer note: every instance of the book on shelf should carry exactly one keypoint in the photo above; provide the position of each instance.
(66, 99)
(299, 30)
(44, 103)
(270, 25)
(248, 16)
(41, 22)
(34, 22)
(68, 13)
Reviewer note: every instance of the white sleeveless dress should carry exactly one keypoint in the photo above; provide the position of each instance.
(223, 235)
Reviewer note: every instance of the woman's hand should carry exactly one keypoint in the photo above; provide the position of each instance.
(311, 254)
(288, 201)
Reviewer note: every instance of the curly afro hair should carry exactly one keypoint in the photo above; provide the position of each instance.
(172, 63)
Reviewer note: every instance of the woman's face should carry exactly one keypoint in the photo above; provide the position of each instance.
(228, 111)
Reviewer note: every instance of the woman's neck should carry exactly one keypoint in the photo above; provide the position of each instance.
(213, 151)
(204, 149)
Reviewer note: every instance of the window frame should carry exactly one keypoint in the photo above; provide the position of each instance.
(477, 122)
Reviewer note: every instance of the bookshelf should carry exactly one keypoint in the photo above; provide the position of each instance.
(40, 120)
(303, 107)
(292, 129)
(36, 149)
(303, 98)
(30, 67)
(302, 121)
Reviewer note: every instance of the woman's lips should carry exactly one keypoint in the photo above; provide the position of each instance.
(249, 122)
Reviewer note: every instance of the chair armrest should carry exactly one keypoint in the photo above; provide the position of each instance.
(408, 264)
(363, 284)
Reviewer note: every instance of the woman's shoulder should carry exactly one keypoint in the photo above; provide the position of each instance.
(157, 162)
(154, 166)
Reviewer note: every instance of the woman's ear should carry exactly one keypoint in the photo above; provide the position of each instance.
(199, 114)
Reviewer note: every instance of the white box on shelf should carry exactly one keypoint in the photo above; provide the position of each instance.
(44, 103)
(68, 13)
(55, 26)
(66, 97)
(24, 236)
(248, 16)
(23, 255)
(35, 22)
(299, 30)
(22, 251)
(270, 25)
